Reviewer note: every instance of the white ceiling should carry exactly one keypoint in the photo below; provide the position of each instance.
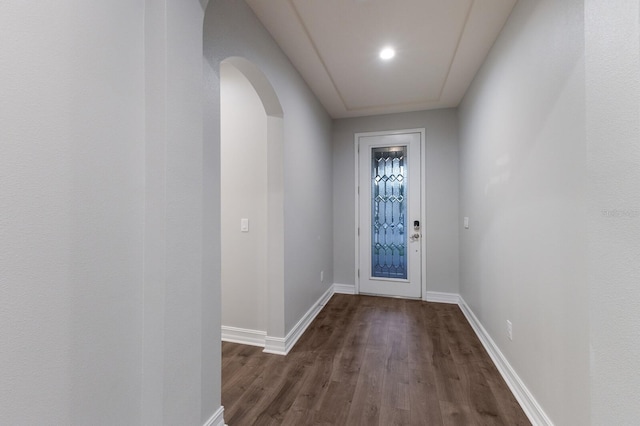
(334, 44)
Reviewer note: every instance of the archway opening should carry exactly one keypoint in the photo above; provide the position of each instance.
(252, 225)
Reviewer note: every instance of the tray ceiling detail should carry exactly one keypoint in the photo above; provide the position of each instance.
(335, 46)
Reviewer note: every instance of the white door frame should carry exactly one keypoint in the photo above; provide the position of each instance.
(423, 203)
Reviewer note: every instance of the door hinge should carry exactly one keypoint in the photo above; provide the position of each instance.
(358, 232)
(358, 273)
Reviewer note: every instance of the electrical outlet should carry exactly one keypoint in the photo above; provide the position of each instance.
(509, 330)
(321, 276)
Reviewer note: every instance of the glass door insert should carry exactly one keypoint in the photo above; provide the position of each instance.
(388, 212)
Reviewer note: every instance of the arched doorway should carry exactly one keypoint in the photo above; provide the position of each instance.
(252, 225)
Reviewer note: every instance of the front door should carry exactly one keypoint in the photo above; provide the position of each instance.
(389, 213)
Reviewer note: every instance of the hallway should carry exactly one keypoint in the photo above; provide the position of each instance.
(112, 227)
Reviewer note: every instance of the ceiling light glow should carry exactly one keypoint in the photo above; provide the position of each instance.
(387, 53)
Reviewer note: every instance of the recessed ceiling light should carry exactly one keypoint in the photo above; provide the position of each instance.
(387, 53)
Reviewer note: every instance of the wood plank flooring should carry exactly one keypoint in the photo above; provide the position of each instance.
(371, 361)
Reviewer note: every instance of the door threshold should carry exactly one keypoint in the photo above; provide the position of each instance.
(389, 296)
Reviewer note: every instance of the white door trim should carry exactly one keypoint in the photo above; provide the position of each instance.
(423, 202)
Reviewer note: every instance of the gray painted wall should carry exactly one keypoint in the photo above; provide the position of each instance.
(72, 208)
(613, 209)
(441, 156)
(231, 29)
(101, 216)
(522, 163)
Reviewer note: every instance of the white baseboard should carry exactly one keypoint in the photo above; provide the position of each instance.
(326, 296)
(529, 405)
(217, 419)
(243, 336)
(439, 297)
(344, 289)
(282, 346)
(275, 345)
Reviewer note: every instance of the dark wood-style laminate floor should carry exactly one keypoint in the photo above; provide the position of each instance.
(371, 361)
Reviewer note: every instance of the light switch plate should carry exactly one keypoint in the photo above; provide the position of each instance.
(244, 225)
(466, 223)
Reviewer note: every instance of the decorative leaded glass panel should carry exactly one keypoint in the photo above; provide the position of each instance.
(388, 212)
